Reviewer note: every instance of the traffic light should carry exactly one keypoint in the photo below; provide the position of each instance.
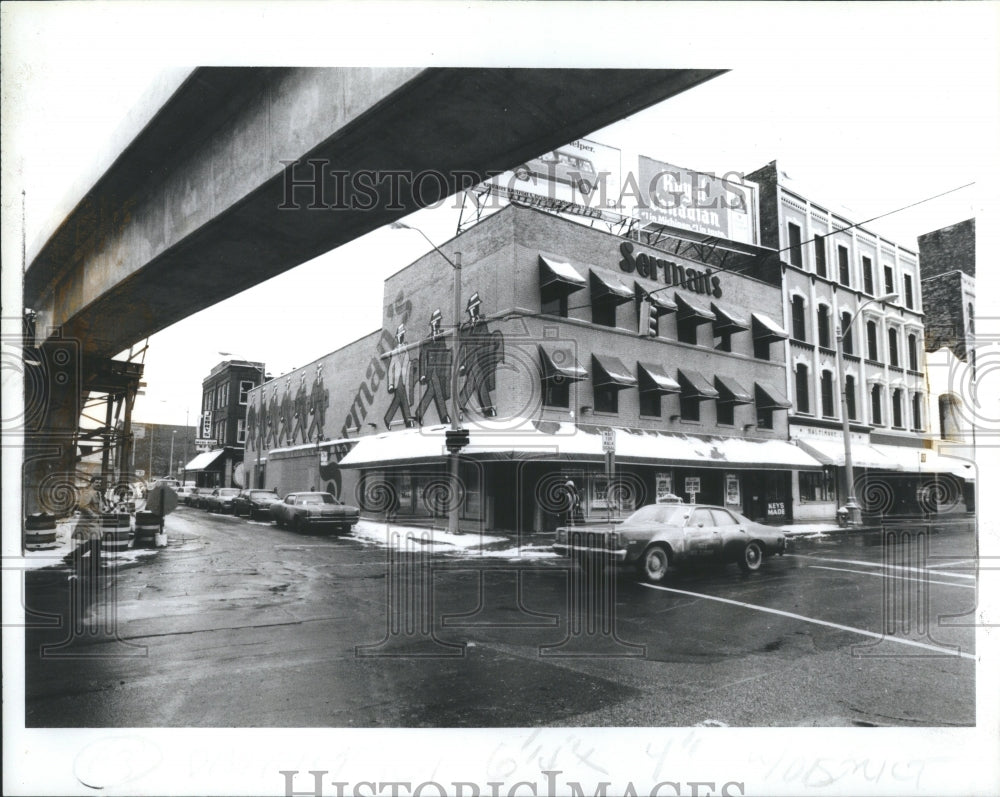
(456, 439)
(652, 319)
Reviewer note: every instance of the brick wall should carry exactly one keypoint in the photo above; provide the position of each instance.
(948, 249)
(947, 298)
(767, 178)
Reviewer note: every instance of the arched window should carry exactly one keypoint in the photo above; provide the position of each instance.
(949, 408)
(893, 346)
(897, 408)
(872, 328)
(911, 346)
(918, 400)
(852, 410)
(823, 326)
(802, 387)
(826, 391)
(877, 404)
(847, 332)
(798, 318)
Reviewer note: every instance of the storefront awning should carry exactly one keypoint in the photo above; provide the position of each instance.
(768, 397)
(560, 363)
(554, 441)
(927, 460)
(653, 379)
(694, 385)
(604, 287)
(689, 309)
(554, 274)
(831, 452)
(731, 391)
(727, 320)
(203, 460)
(611, 372)
(766, 328)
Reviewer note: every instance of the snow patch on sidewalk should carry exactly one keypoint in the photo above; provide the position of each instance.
(429, 540)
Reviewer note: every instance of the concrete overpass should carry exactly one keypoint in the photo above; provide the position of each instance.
(245, 173)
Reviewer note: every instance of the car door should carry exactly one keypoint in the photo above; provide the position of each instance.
(732, 533)
(702, 536)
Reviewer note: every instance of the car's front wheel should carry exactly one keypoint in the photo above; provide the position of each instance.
(752, 557)
(654, 563)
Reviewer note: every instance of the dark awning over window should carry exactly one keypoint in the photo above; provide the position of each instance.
(608, 288)
(611, 372)
(689, 309)
(728, 320)
(765, 328)
(770, 398)
(559, 276)
(653, 379)
(694, 385)
(560, 363)
(663, 302)
(731, 391)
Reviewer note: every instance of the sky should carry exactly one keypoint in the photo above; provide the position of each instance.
(861, 119)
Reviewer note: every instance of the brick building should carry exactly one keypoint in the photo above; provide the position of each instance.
(222, 432)
(948, 283)
(567, 332)
(948, 279)
(832, 270)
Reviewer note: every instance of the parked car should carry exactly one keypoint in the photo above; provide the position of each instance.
(302, 511)
(660, 535)
(254, 503)
(204, 494)
(221, 499)
(184, 492)
(191, 499)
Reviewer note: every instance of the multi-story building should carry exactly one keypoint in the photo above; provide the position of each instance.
(833, 270)
(571, 339)
(948, 281)
(222, 432)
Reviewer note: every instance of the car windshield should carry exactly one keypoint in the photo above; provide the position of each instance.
(229, 491)
(262, 494)
(668, 514)
(314, 498)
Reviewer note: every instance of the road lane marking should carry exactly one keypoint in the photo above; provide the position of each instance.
(889, 575)
(880, 565)
(814, 621)
(960, 563)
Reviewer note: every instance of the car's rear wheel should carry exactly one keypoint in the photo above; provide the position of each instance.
(752, 557)
(654, 563)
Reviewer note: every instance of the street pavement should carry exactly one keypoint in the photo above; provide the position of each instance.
(242, 624)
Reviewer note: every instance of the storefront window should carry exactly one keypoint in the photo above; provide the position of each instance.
(816, 486)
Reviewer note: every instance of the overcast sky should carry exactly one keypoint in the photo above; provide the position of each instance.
(857, 113)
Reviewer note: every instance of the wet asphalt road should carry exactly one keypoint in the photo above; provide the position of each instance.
(240, 624)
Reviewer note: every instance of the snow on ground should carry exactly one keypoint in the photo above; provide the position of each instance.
(797, 529)
(429, 540)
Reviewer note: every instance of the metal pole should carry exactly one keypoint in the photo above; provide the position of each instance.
(152, 433)
(853, 509)
(173, 437)
(454, 509)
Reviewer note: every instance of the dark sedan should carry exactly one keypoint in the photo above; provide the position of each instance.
(254, 503)
(302, 511)
(660, 535)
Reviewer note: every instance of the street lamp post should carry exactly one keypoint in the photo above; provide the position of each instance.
(852, 506)
(173, 437)
(456, 265)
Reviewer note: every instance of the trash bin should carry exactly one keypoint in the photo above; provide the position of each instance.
(116, 530)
